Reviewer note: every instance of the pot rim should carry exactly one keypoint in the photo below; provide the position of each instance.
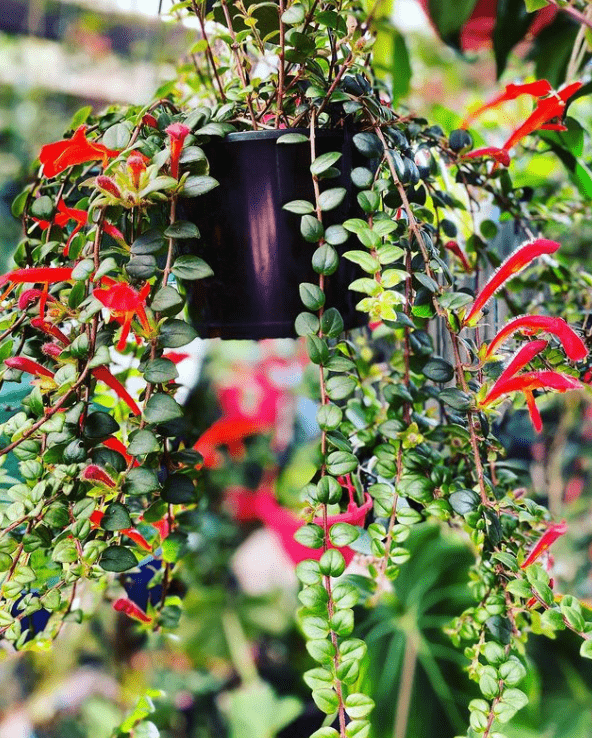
(274, 133)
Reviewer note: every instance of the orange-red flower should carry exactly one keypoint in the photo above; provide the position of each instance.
(94, 473)
(104, 375)
(544, 115)
(23, 364)
(58, 156)
(125, 605)
(97, 516)
(116, 445)
(177, 135)
(229, 432)
(553, 532)
(530, 324)
(539, 88)
(500, 156)
(529, 382)
(455, 249)
(522, 357)
(137, 165)
(124, 304)
(517, 261)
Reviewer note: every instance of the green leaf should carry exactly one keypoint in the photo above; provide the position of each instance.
(116, 517)
(325, 733)
(534, 5)
(329, 417)
(159, 371)
(342, 534)
(306, 324)
(175, 333)
(310, 535)
(336, 235)
(363, 259)
(293, 16)
(161, 408)
(99, 425)
(324, 161)
(311, 228)
(309, 571)
(191, 267)
(42, 208)
(341, 462)
(400, 65)
(358, 705)
(464, 501)
(149, 242)
(311, 295)
(142, 442)
(117, 559)
(140, 481)
(326, 700)
(362, 177)
(332, 323)
(300, 207)
(455, 398)
(368, 144)
(167, 301)
(586, 649)
(292, 138)
(438, 370)
(338, 388)
(325, 260)
(141, 267)
(315, 627)
(198, 185)
(330, 199)
(117, 136)
(332, 563)
(182, 229)
(488, 682)
(178, 489)
(146, 729)
(512, 24)
(322, 651)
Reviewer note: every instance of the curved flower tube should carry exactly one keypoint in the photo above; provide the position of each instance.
(572, 344)
(177, 135)
(522, 357)
(23, 364)
(529, 382)
(500, 156)
(131, 533)
(539, 88)
(124, 303)
(229, 432)
(455, 249)
(553, 532)
(58, 156)
(125, 605)
(521, 258)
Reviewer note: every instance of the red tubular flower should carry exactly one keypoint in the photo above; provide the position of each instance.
(553, 532)
(50, 330)
(522, 357)
(124, 303)
(46, 275)
(229, 432)
(108, 185)
(175, 356)
(137, 165)
(104, 375)
(116, 445)
(58, 156)
(455, 249)
(23, 364)
(53, 349)
(94, 473)
(177, 135)
(572, 344)
(529, 382)
(28, 297)
(539, 88)
(501, 156)
(125, 605)
(543, 115)
(517, 261)
(149, 120)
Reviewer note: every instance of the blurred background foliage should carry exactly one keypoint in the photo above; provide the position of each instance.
(234, 667)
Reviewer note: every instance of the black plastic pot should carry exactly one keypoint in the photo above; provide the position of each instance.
(254, 246)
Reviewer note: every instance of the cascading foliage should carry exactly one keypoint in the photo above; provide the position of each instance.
(92, 313)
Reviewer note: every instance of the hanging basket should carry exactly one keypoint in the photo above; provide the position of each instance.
(253, 245)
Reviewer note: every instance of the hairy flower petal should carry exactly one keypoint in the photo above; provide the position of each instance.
(572, 344)
(23, 364)
(553, 532)
(58, 156)
(517, 261)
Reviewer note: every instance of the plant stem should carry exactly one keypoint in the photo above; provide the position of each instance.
(281, 70)
(405, 688)
(209, 52)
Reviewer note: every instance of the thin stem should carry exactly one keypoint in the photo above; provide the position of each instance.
(281, 70)
(405, 688)
(209, 52)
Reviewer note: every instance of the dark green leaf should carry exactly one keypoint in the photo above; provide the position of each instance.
(438, 370)
(116, 517)
(178, 489)
(167, 301)
(159, 371)
(140, 481)
(100, 425)
(311, 295)
(150, 242)
(198, 185)
(175, 333)
(141, 267)
(464, 501)
(117, 558)
(191, 267)
(182, 229)
(161, 408)
(142, 442)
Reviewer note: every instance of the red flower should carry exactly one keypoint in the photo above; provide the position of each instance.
(137, 165)
(553, 532)
(544, 114)
(107, 184)
(522, 357)
(229, 432)
(175, 356)
(44, 275)
(124, 304)
(539, 88)
(116, 445)
(58, 156)
(529, 382)
(94, 473)
(50, 330)
(517, 261)
(104, 375)
(501, 156)
(455, 249)
(23, 364)
(125, 605)
(177, 135)
(573, 345)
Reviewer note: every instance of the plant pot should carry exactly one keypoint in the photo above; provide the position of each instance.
(254, 246)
